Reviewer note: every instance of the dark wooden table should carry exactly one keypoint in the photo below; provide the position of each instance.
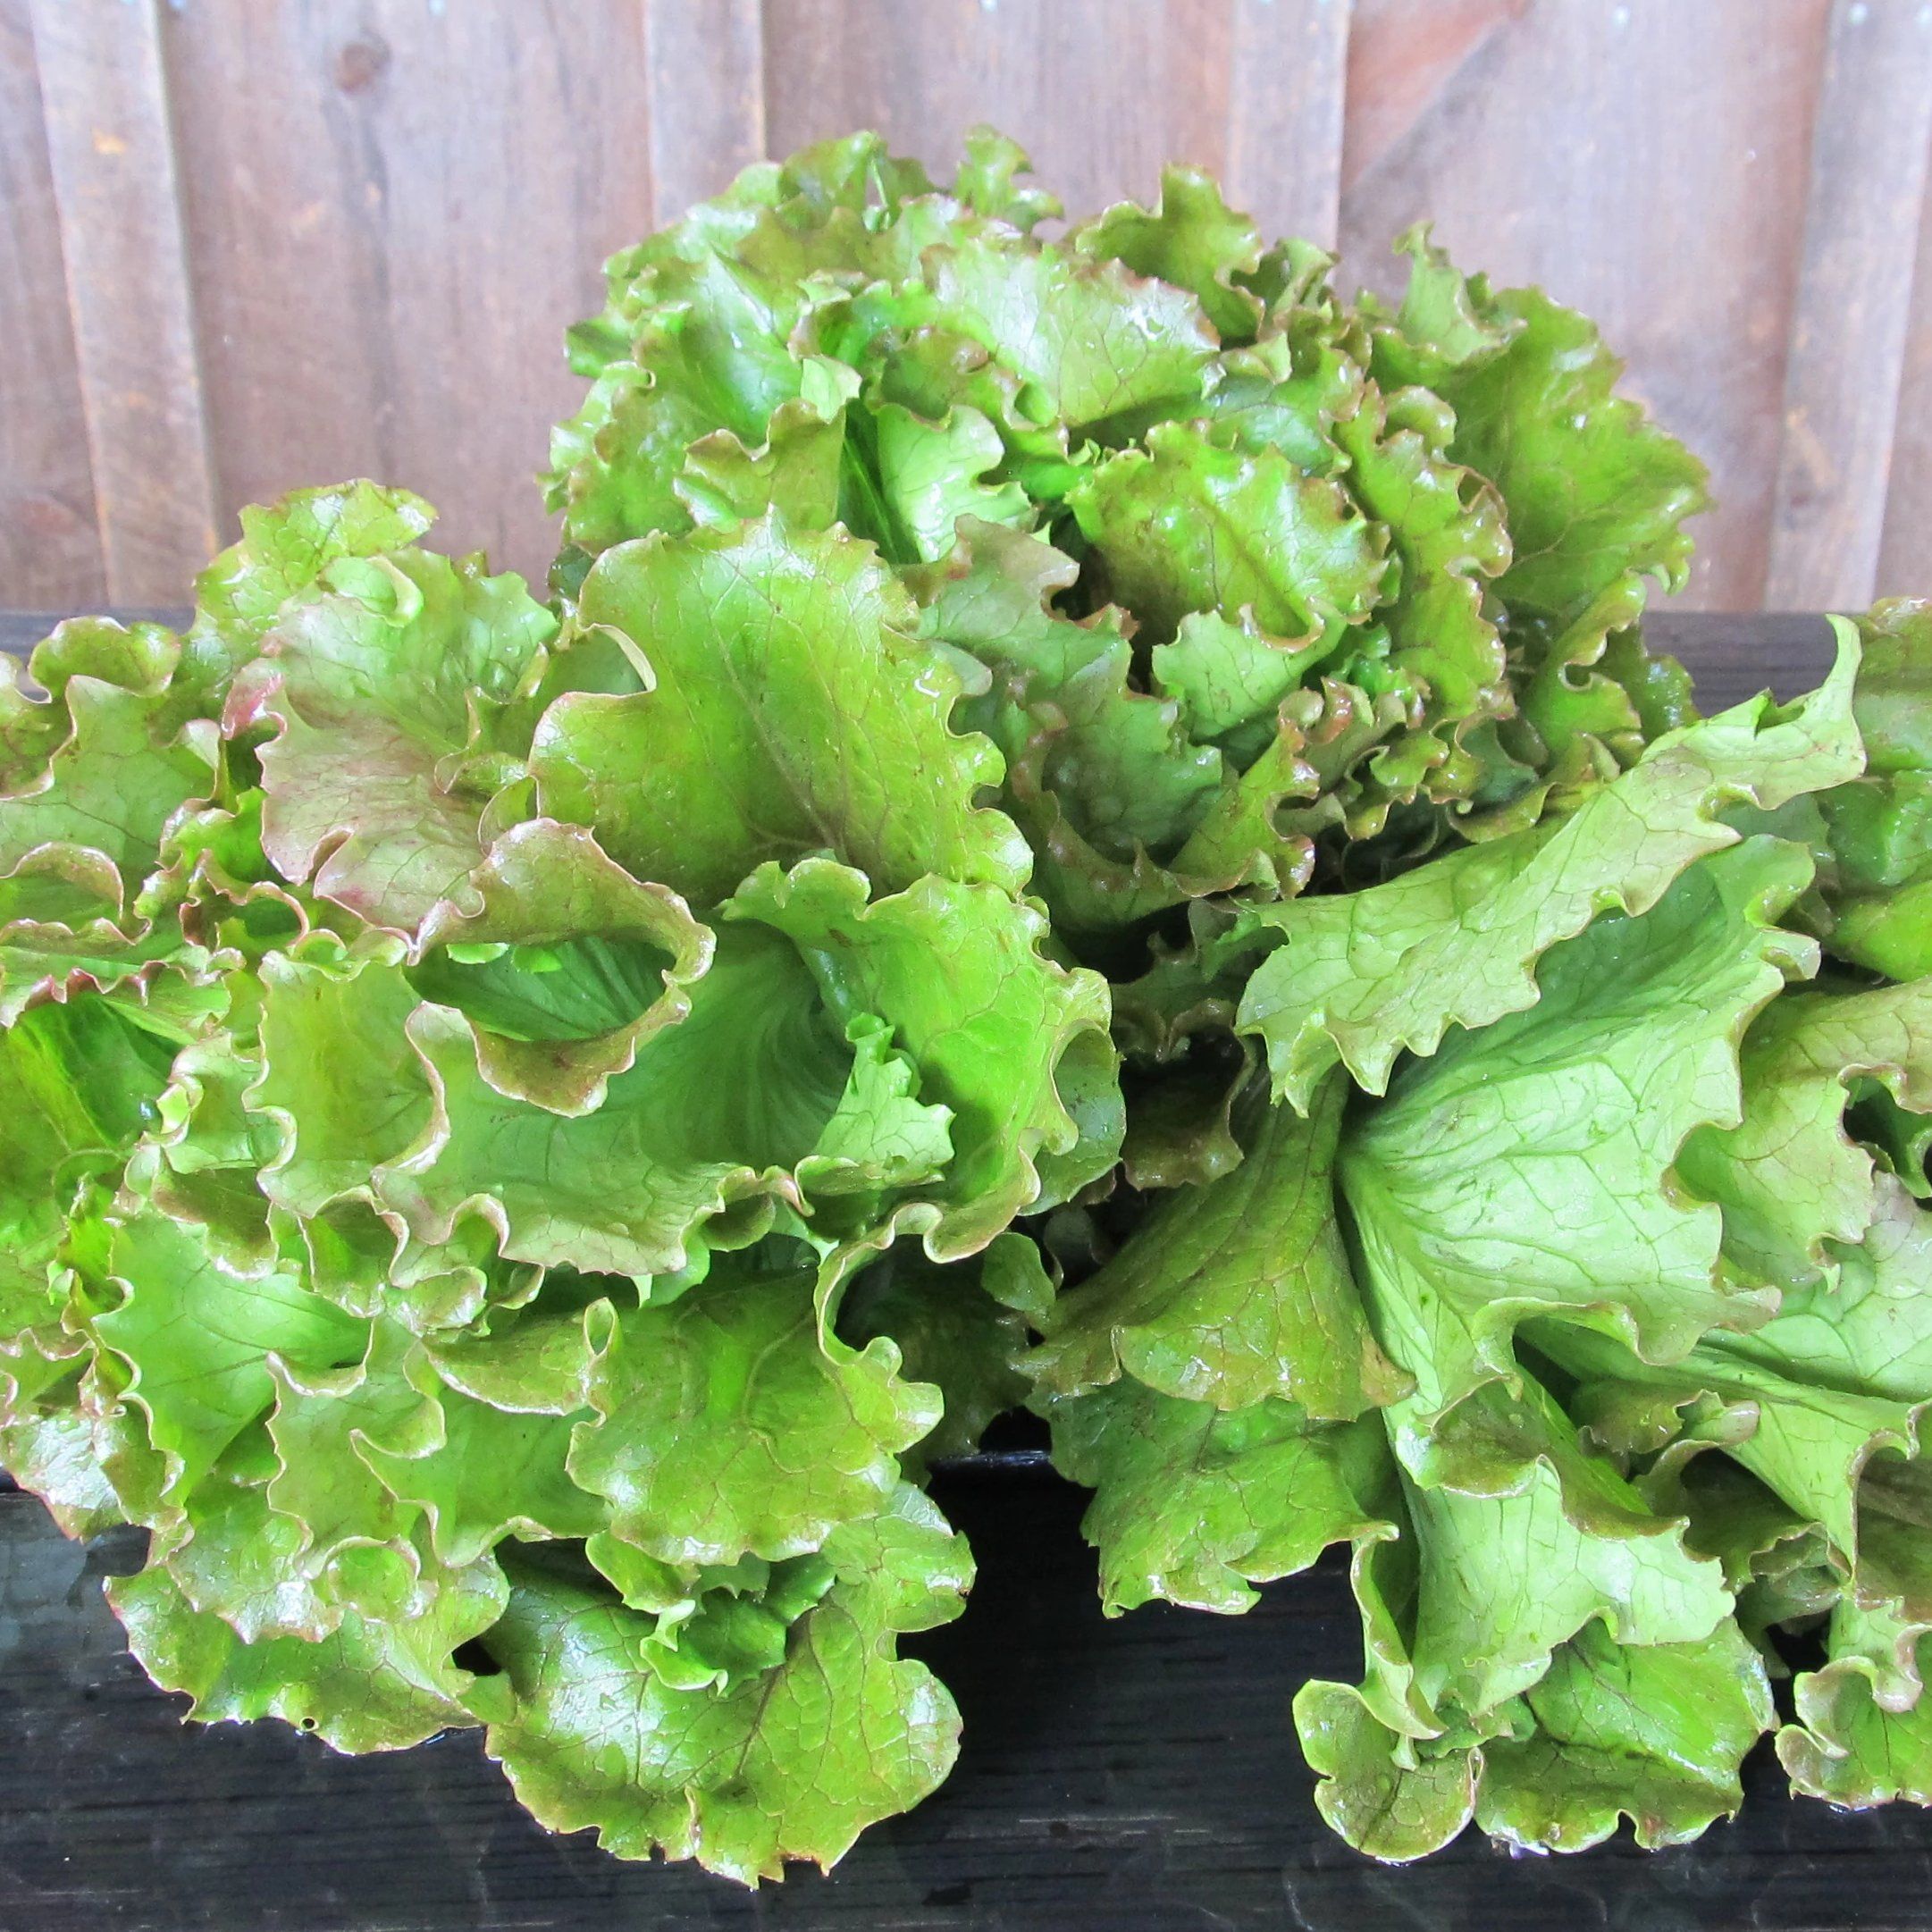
(1139, 1774)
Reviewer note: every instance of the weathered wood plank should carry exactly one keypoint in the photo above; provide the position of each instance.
(394, 209)
(1905, 548)
(391, 209)
(1733, 655)
(1285, 110)
(1099, 92)
(50, 551)
(1647, 162)
(1400, 58)
(1854, 296)
(111, 150)
(706, 60)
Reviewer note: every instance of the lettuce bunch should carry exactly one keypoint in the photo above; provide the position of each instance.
(1576, 1274)
(431, 1215)
(1243, 579)
(1085, 826)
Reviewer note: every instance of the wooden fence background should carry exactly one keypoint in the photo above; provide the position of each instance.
(250, 243)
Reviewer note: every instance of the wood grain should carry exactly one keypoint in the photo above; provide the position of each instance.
(1647, 162)
(1400, 59)
(50, 551)
(706, 62)
(1099, 92)
(1905, 548)
(1854, 297)
(109, 143)
(394, 209)
(1286, 95)
(247, 246)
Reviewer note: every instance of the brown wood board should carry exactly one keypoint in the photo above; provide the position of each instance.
(254, 246)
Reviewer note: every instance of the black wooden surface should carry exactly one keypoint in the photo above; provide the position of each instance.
(1137, 1774)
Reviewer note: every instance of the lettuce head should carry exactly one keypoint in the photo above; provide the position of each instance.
(1082, 824)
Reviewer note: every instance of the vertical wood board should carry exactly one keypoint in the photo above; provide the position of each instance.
(394, 211)
(1854, 295)
(249, 245)
(50, 551)
(1647, 162)
(1287, 92)
(706, 60)
(1099, 92)
(1904, 567)
(110, 140)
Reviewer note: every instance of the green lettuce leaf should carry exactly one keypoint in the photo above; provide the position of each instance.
(1818, 1402)
(1863, 1734)
(566, 964)
(1102, 346)
(1014, 1045)
(61, 934)
(1127, 807)
(1526, 1580)
(1595, 496)
(1594, 491)
(701, 346)
(955, 1328)
(1185, 526)
(285, 548)
(91, 776)
(77, 1081)
(1192, 239)
(1196, 1505)
(829, 731)
(792, 1763)
(385, 688)
(713, 1115)
(1360, 977)
(198, 1340)
(1447, 537)
(1522, 1537)
(1655, 1732)
(820, 1070)
(198, 1163)
(339, 1077)
(1524, 1167)
(374, 1684)
(1789, 1177)
(1376, 1790)
(1233, 1291)
(723, 1429)
(1878, 885)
